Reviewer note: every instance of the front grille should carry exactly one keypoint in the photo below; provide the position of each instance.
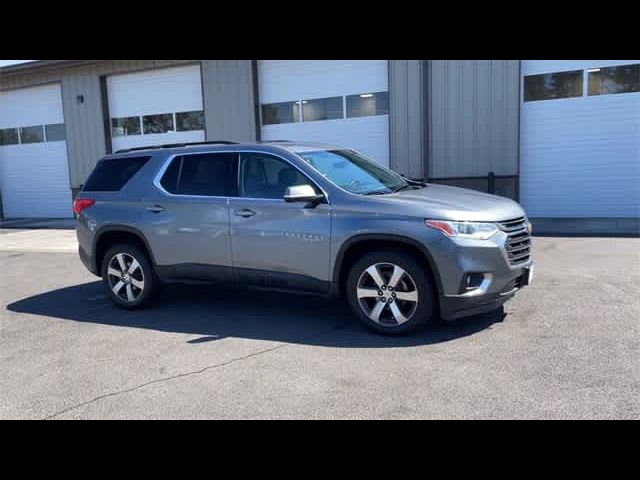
(518, 244)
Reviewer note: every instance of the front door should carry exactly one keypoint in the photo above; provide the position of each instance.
(275, 243)
(187, 219)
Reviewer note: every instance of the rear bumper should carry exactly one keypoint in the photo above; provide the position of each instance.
(88, 261)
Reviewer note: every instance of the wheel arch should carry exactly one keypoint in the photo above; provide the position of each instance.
(357, 245)
(112, 234)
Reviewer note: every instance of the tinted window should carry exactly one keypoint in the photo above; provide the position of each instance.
(170, 178)
(208, 174)
(551, 86)
(321, 109)
(55, 132)
(32, 134)
(263, 176)
(623, 79)
(9, 136)
(157, 123)
(186, 121)
(124, 126)
(111, 175)
(368, 104)
(274, 113)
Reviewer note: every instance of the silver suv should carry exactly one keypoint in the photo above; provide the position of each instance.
(305, 217)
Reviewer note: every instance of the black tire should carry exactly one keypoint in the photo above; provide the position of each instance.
(417, 281)
(144, 272)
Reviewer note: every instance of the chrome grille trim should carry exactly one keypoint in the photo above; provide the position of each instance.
(518, 244)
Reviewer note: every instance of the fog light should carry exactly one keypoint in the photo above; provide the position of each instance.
(473, 280)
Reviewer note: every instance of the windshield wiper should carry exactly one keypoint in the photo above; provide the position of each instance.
(378, 192)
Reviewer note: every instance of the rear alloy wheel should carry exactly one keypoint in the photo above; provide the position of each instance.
(127, 275)
(389, 293)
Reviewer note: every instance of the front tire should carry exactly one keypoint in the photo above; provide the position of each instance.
(128, 276)
(390, 292)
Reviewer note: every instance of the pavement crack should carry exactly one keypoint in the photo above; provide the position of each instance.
(180, 375)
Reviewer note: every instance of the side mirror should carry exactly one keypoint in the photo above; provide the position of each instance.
(302, 193)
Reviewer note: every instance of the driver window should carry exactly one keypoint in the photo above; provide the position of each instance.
(264, 176)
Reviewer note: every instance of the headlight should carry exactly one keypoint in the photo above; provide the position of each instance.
(478, 230)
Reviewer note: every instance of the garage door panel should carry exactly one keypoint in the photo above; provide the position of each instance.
(305, 80)
(134, 141)
(31, 106)
(34, 180)
(580, 157)
(155, 91)
(283, 80)
(368, 135)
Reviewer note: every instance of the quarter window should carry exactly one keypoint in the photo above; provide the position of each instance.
(549, 86)
(263, 176)
(610, 80)
(32, 134)
(368, 104)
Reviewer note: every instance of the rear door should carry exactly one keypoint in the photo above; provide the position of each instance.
(275, 243)
(188, 216)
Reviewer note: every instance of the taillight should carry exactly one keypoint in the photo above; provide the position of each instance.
(80, 204)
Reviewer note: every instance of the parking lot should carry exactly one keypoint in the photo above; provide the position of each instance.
(566, 347)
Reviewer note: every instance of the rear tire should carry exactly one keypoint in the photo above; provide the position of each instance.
(128, 276)
(390, 292)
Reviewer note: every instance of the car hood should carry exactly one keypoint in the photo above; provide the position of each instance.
(453, 203)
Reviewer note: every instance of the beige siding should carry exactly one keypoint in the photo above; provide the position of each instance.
(228, 100)
(407, 116)
(474, 117)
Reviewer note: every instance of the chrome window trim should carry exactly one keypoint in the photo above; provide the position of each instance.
(170, 158)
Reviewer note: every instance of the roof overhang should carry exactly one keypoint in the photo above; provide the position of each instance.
(40, 65)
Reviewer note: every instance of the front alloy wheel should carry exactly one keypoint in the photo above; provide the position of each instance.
(387, 294)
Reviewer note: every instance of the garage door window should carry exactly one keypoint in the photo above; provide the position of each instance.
(368, 104)
(610, 80)
(9, 136)
(285, 112)
(187, 121)
(162, 123)
(33, 134)
(55, 132)
(551, 86)
(322, 109)
(122, 127)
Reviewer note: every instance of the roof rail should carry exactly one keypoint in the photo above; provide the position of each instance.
(176, 145)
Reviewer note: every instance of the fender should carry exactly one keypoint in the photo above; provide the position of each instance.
(115, 227)
(388, 237)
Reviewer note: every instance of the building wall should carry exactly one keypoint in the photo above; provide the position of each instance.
(474, 121)
(227, 97)
(408, 117)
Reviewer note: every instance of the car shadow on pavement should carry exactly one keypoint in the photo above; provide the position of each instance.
(213, 314)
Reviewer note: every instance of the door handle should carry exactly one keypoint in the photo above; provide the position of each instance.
(155, 209)
(245, 212)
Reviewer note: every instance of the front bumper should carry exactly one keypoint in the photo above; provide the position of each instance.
(456, 306)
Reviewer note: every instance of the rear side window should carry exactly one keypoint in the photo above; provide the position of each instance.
(207, 174)
(113, 174)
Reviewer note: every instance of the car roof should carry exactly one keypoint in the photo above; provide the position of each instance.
(270, 145)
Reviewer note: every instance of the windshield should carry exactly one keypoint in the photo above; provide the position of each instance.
(354, 173)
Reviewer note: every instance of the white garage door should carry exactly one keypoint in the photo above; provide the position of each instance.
(580, 138)
(342, 102)
(156, 107)
(34, 173)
